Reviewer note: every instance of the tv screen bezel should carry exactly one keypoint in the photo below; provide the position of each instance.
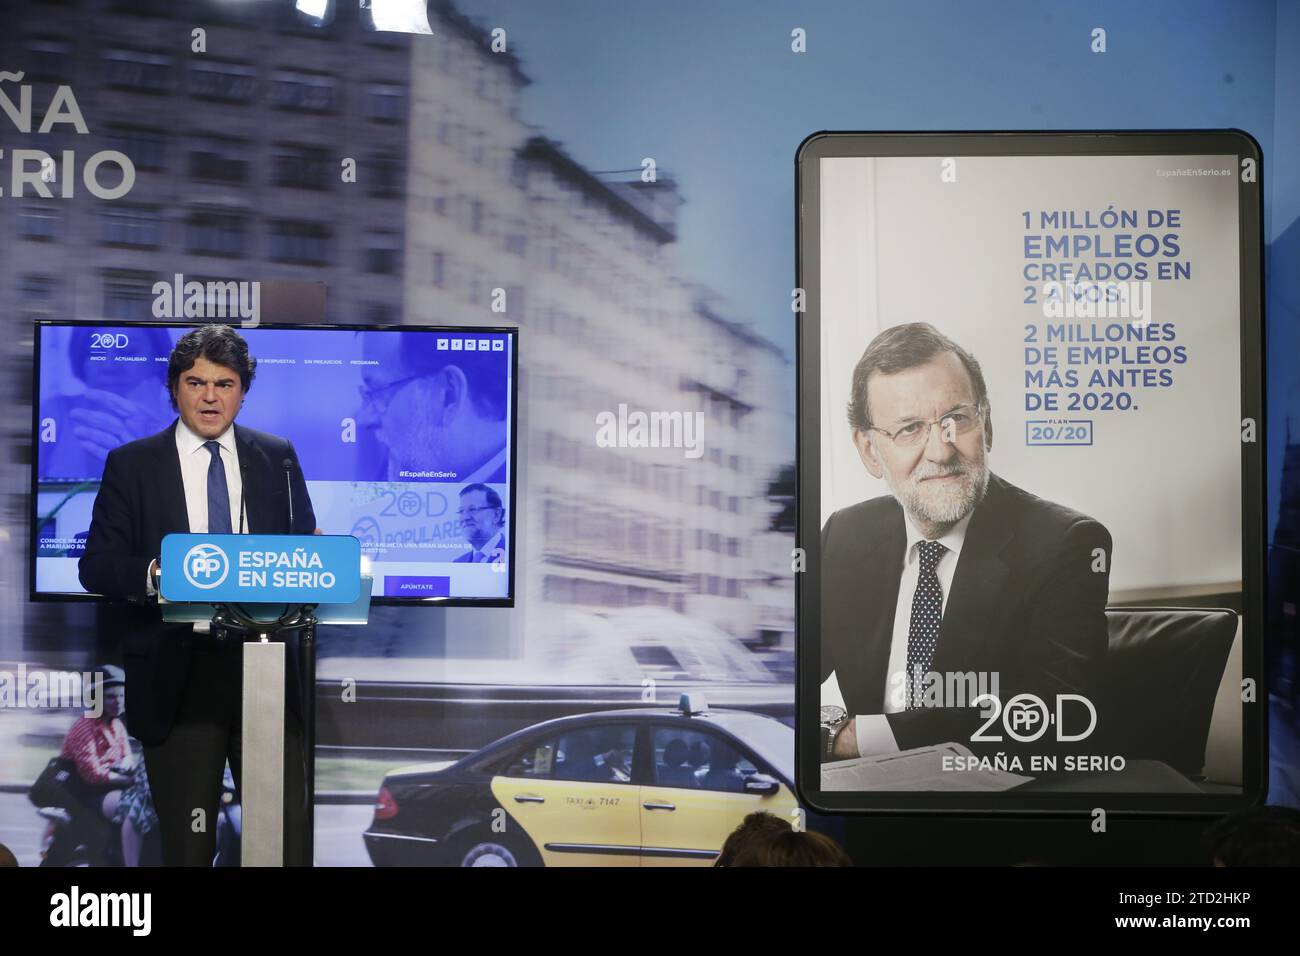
(377, 600)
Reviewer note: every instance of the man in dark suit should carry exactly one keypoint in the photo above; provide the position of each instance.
(483, 519)
(956, 572)
(200, 474)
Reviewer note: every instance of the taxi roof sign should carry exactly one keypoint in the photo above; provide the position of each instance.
(689, 704)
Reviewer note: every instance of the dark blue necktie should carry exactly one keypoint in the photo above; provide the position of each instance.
(927, 611)
(218, 492)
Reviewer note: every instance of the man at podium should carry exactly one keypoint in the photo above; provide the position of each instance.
(202, 473)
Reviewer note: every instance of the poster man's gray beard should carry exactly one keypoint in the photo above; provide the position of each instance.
(942, 504)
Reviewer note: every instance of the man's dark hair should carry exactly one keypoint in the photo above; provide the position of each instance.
(493, 499)
(484, 371)
(1259, 836)
(902, 347)
(219, 344)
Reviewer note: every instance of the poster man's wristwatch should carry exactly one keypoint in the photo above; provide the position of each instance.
(833, 720)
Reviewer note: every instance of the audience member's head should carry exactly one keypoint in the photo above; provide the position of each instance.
(1259, 836)
(766, 840)
(753, 825)
(7, 857)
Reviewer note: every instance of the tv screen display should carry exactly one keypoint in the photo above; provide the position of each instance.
(405, 437)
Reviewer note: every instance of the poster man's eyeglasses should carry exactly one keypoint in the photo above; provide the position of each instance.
(381, 396)
(958, 421)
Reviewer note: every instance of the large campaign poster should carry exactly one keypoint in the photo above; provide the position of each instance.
(1029, 474)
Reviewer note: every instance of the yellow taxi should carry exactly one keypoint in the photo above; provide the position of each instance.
(639, 787)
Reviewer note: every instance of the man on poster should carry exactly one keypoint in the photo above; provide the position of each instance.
(483, 520)
(957, 571)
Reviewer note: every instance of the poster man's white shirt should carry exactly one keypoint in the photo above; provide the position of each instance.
(873, 733)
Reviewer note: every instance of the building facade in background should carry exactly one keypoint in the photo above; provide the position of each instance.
(584, 262)
(461, 213)
(238, 154)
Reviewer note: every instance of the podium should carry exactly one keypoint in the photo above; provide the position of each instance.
(267, 590)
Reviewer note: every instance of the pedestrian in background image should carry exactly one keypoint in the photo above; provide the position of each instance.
(106, 782)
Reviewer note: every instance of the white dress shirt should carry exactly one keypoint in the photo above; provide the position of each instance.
(873, 733)
(194, 461)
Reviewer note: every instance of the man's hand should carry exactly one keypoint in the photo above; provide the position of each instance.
(103, 421)
(318, 531)
(846, 741)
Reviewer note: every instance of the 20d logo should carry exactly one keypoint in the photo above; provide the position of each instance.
(1026, 718)
(109, 340)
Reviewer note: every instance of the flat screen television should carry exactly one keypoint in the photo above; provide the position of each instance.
(406, 437)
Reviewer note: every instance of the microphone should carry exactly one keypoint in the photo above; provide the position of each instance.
(288, 484)
(243, 480)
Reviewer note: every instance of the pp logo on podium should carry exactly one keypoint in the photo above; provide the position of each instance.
(206, 566)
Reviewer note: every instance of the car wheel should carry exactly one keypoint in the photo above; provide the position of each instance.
(492, 850)
(488, 853)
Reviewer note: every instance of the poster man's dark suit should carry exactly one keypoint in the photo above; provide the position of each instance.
(1027, 600)
(493, 555)
(184, 687)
